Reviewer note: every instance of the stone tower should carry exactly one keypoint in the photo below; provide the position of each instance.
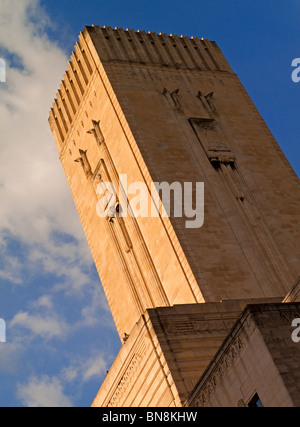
(169, 109)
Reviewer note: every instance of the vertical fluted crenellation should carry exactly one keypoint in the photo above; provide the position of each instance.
(158, 49)
(71, 90)
(136, 47)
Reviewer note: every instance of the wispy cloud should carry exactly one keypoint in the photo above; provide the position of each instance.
(10, 269)
(85, 369)
(95, 367)
(50, 391)
(44, 392)
(47, 327)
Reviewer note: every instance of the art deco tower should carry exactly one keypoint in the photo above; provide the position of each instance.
(160, 108)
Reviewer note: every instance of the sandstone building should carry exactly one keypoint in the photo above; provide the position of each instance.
(204, 314)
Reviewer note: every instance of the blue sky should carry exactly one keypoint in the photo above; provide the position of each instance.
(60, 335)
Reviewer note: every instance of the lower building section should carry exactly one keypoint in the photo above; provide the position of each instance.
(258, 363)
(232, 353)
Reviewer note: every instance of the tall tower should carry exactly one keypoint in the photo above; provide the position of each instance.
(169, 109)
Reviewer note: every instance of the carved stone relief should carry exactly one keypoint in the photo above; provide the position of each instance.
(212, 139)
(178, 327)
(207, 101)
(130, 373)
(218, 372)
(83, 160)
(173, 98)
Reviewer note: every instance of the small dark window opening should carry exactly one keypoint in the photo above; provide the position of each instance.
(255, 402)
(215, 163)
(232, 164)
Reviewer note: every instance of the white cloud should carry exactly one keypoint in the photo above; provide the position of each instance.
(85, 369)
(11, 270)
(69, 374)
(67, 261)
(94, 367)
(43, 392)
(45, 326)
(44, 301)
(35, 199)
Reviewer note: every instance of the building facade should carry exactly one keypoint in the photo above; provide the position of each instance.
(136, 107)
